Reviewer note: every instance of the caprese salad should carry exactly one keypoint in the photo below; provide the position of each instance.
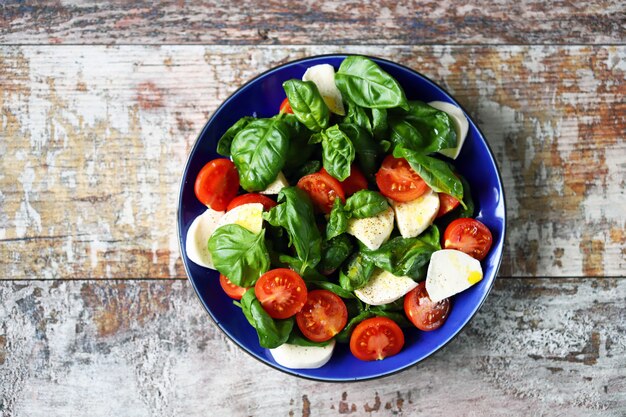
(324, 220)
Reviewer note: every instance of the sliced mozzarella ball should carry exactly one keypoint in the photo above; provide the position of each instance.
(323, 76)
(450, 272)
(248, 215)
(303, 357)
(384, 287)
(279, 183)
(372, 231)
(197, 241)
(415, 216)
(461, 126)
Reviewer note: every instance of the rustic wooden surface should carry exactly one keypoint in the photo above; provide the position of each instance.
(100, 104)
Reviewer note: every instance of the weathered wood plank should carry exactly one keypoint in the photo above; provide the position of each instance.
(313, 22)
(94, 139)
(537, 347)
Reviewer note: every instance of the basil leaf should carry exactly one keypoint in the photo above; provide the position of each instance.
(334, 252)
(299, 150)
(405, 134)
(307, 168)
(296, 338)
(379, 123)
(358, 116)
(307, 274)
(295, 213)
(367, 150)
(356, 273)
(307, 104)
(397, 305)
(366, 203)
(223, 145)
(337, 221)
(431, 236)
(239, 254)
(363, 82)
(468, 203)
(259, 151)
(344, 335)
(402, 257)
(337, 153)
(434, 125)
(334, 288)
(399, 318)
(272, 333)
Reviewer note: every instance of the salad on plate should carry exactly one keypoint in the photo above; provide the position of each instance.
(341, 219)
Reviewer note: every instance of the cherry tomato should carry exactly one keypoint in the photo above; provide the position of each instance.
(469, 236)
(281, 292)
(217, 184)
(323, 316)
(447, 203)
(398, 181)
(323, 190)
(355, 182)
(376, 339)
(285, 107)
(240, 200)
(422, 312)
(231, 290)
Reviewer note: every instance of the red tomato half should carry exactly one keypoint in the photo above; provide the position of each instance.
(355, 182)
(323, 316)
(422, 312)
(447, 203)
(469, 236)
(281, 292)
(231, 290)
(240, 200)
(285, 107)
(323, 190)
(217, 184)
(398, 181)
(376, 339)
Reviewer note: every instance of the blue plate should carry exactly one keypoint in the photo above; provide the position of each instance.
(262, 96)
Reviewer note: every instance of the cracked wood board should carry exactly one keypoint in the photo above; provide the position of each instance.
(536, 347)
(94, 139)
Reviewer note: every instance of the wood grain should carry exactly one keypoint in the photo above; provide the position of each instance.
(313, 22)
(537, 347)
(94, 140)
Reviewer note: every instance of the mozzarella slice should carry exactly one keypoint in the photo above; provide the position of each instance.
(372, 231)
(415, 216)
(450, 272)
(303, 357)
(279, 183)
(198, 236)
(384, 287)
(248, 215)
(461, 126)
(323, 76)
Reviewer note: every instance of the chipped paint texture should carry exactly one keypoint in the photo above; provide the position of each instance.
(94, 140)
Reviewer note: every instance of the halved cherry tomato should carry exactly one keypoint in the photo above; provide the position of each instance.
(447, 203)
(217, 184)
(231, 290)
(376, 338)
(285, 107)
(469, 236)
(281, 292)
(323, 316)
(398, 181)
(323, 190)
(355, 182)
(422, 312)
(240, 200)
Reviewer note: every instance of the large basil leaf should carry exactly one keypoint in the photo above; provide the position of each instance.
(223, 145)
(299, 150)
(363, 82)
(337, 153)
(334, 288)
(403, 133)
(307, 104)
(239, 254)
(358, 116)
(379, 123)
(337, 221)
(259, 151)
(366, 203)
(334, 252)
(356, 273)
(434, 125)
(272, 333)
(295, 213)
(367, 150)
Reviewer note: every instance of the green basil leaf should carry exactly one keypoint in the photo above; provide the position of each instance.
(334, 288)
(307, 104)
(356, 273)
(223, 145)
(337, 153)
(434, 125)
(358, 116)
(337, 221)
(344, 335)
(307, 168)
(403, 133)
(272, 333)
(307, 274)
(397, 305)
(398, 318)
(467, 209)
(366, 203)
(402, 257)
(363, 82)
(380, 125)
(431, 236)
(334, 252)
(296, 338)
(259, 151)
(367, 150)
(299, 150)
(239, 254)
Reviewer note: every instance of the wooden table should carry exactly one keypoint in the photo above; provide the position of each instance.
(100, 104)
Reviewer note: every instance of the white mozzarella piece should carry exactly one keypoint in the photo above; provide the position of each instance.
(384, 287)
(303, 357)
(461, 126)
(198, 236)
(415, 216)
(372, 231)
(279, 183)
(248, 215)
(323, 76)
(450, 272)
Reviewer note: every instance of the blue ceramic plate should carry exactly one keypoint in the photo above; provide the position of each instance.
(262, 96)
